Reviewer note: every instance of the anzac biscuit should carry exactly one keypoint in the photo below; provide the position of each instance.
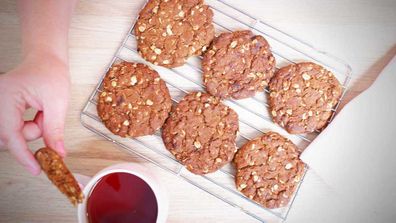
(134, 100)
(170, 31)
(52, 164)
(268, 170)
(237, 65)
(201, 133)
(302, 97)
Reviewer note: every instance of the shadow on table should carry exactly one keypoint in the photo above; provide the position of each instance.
(371, 74)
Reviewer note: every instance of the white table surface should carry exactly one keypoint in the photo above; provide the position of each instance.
(361, 32)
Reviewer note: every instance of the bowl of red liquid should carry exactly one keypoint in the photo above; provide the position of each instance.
(123, 193)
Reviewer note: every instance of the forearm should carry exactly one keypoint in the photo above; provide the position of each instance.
(45, 25)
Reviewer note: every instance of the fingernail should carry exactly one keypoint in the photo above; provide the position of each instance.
(60, 148)
(34, 169)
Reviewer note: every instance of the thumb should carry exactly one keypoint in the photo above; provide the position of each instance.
(53, 125)
(19, 149)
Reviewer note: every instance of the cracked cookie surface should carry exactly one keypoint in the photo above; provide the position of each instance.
(268, 170)
(237, 65)
(170, 31)
(201, 133)
(302, 97)
(134, 100)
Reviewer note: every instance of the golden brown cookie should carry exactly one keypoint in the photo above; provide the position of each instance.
(170, 31)
(268, 170)
(52, 164)
(237, 65)
(134, 100)
(302, 97)
(201, 133)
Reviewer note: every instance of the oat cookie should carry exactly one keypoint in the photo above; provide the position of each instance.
(52, 164)
(302, 97)
(237, 65)
(201, 133)
(268, 170)
(170, 31)
(134, 100)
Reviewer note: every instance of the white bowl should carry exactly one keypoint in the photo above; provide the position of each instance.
(134, 169)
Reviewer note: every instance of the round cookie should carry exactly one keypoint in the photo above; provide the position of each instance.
(134, 100)
(201, 133)
(268, 170)
(170, 31)
(302, 97)
(237, 65)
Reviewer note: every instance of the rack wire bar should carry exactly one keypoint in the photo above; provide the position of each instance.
(220, 184)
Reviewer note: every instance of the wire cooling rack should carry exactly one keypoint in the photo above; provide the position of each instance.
(253, 112)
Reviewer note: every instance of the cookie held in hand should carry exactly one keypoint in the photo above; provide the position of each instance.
(55, 169)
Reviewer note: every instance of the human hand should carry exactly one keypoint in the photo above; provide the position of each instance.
(41, 82)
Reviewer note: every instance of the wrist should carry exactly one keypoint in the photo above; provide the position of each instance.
(46, 55)
(47, 62)
(47, 59)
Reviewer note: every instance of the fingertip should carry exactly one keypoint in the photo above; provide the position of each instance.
(55, 141)
(34, 170)
(31, 131)
(32, 166)
(19, 149)
(60, 148)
